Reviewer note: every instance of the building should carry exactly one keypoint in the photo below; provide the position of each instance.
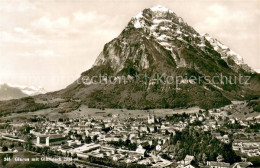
(151, 119)
(213, 164)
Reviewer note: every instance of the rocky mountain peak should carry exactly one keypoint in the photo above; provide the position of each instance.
(162, 26)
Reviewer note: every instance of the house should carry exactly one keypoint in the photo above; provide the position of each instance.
(146, 161)
(140, 149)
(213, 164)
(118, 157)
(186, 161)
(187, 166)
(241, 165)
(151, 119)
(224, 138)
(158, 147)
(71, 142)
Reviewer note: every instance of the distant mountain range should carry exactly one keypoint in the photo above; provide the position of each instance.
(9, 91)
(155, 43)
(257, 70)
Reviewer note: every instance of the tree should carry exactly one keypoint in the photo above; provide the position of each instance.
(11, 145)
(74, 155)
(4, 148)
(148, 129)
(88, 139)
(95, 138)
(106, 129)
(204, 158)
(167, 132)
(207, 113)
(146, 154)
(193, 142)
(220, 158)
(155, 129)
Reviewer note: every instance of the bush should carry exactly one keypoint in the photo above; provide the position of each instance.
(4, 148)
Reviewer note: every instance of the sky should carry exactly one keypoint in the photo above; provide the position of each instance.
(49, 43)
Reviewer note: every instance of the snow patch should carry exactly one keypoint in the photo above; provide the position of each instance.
(221, 45)
(138, 24)
(139, 15)
(179, 38)
(164, 43)
(160, 8)
(178, 32)
(157, 21)
(163, 37)
(202, 45)
(224, 50)
(165, 28)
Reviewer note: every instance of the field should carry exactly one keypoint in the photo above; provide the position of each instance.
(239, 109)
(85, 112)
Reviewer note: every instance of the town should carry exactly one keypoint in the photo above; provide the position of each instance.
(208, 138)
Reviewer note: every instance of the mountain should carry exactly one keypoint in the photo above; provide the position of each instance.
(156, 44)
(257, 70)
(159, 43)
(9, 91)
(168, 30)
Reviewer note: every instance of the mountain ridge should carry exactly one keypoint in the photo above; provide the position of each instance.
(10, 91)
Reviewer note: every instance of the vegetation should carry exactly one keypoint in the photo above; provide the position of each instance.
(109, 162)
(7, 155)
(255, 160)
(255, 104)
(126, 144)
(4, 148)
(199, 143)
(177, 117)
(235, 125)
(26, 104)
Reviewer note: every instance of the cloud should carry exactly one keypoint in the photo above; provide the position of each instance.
(78, 23)
(222, 18)
(217, 9)
(40, 53)
(20, 30)
(19, 35)
(220, 15)
(7, 6)
(46, 23)
(87, 17)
